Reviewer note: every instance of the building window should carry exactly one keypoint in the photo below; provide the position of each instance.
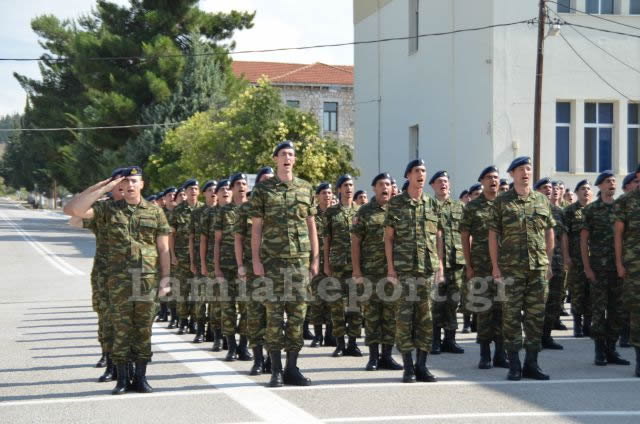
(634, 7)
(293, 103)
(414, 25)
(600, 7)
(598, 136)
(633, 139)
(563, 128)
(564, 6)
(330, 121)
(414, 142)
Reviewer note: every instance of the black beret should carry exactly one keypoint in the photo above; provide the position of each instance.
(181, 189)
(132, 171)
(267, 170)
(405, 186)
(560, 182)
(503, 182)
(580, 184)
(411, 165)
(464, 193)
(603, 176)
(210, 183)
(487, 170)
(393, 181)
(222, 183)
(438, 175)
(555, 183)
(382, 176)
(170, 190)
(358, 193)
(159, 194)
(541, 182)
(322, 186)
(627, 180)
(151, 198)
(343, 179)
(522, 160)
(475, 187)
(117, 172)
(284, 145)
(237, 177)
(190, 182)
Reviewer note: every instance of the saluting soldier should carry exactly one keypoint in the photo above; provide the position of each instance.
(138, 237)
(283, 233)
(413, 249)
(598, 258)
(521, 218)
(370, 267)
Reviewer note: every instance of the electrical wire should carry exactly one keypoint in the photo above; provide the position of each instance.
(593, 15)
(114, 127)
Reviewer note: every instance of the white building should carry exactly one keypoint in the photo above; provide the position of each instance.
(465, 101)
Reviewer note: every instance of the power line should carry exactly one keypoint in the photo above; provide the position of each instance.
(602, 30)
(594, 15)
(280, 49)
(114, 127)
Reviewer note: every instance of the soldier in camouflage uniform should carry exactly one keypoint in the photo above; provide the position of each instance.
(627, 251)
(194, 255)
(598, 259)
(370, 268)
(180, 223)
(338, 221)
(138, 237)
(576, 280)
(283, 233)
(169, 204)
(413, 249)
(256, 312)
(232, 290)
(521, 218)
(474, 229)
(629, 184)
(447, 296)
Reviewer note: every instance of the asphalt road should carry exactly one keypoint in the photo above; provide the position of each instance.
(48, 350)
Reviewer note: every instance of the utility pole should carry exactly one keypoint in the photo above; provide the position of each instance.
(537, 112)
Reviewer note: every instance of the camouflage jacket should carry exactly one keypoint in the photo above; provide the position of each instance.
(475, 221)
(415, 225)
(598, 220)
(557, 261)
(207, 230)
(101, 257)
(627, 211)
(195, 228)
(573, 217)
(521, 223)
(132, 232)
(369, 228)
(242, 226)
(338, 221)
(284, 208)
(224, 222)
(450, 214)
(320, 230)
(180, 221)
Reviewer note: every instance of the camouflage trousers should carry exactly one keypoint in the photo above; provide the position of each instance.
(233, 303)
(346, 319)
(555, 297)
(171, 301)
(607, 305)
(256, 312)
(631, 296)
(289, 278)
(447, 299)
(199, 296)
(100, 304)
(319, 312)
(465, 292)
(487, 301)
(379, 313)
(525, 298)
(133, 308)
(414, 325)
(579, 288)
(184, 303)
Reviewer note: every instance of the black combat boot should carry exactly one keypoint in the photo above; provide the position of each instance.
(577, 326)
(466, 323)
(174, 319)
(600, 357)
(548, 342)
(559, 325)
(109, 371)
(192, 326)
(183, 326)
(352, 348)
(449, 345)
(586, 326)
(102, 362)
(217, 341)
(409, 373)
(306, 334)
(258, 361)
(531, 368)
(199, 338)
(474, 323)
(624, 335)
(140, 378)
(276, 369)
(374, 357)
(231, 354)
(499, 356)
(208, 333)
(637, 361)
(123, 380)
(422, 372)
(485, 356)
(317, 338)
(613, 357)
(267, 365)
(436, 343)
(386, 361)
(225, 345)
(340, 348)
(515, 367)
(163, 313)
(292, 375)
(329, 338)
(243, 351)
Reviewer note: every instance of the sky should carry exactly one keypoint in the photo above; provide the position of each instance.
(278, 23)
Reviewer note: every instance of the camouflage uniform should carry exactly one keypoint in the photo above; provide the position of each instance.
(521, 223)
(284, 208)
(578, 284)
(171, 302)
(379, 312)
(415, 260)
(556, 284)
(195, 229)
(319, 312)
(213, 290)
(132, 233)
(606, 290)
(338, 221)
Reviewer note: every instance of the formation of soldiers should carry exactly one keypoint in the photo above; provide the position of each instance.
(254, 270)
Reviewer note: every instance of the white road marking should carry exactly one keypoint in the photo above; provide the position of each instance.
(50, 257)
